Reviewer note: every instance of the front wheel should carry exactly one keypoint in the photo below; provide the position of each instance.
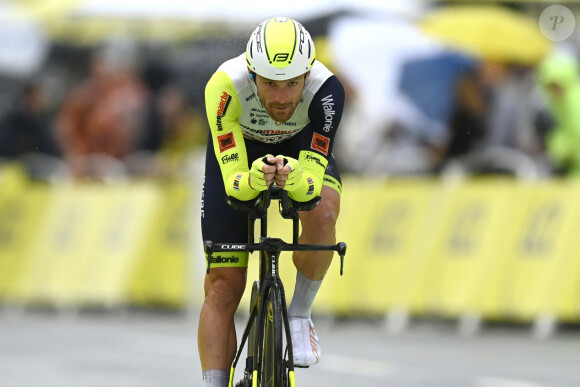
(273, 367)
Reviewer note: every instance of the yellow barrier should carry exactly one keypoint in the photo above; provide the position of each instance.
(542, 270)
(86, 248)
(161, 277)
(383, 224)
(22, 204)
(468, 246)
(492, 247)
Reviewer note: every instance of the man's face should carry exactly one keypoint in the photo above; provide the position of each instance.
(280, 98)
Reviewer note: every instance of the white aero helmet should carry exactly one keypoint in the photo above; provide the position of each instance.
(280, 48)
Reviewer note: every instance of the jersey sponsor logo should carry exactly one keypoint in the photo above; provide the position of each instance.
(272, 137)
(261, 116)
(233, 157)
(237, 182)
(309, 157)
(320, 143)
(329, 181)
(226, 141)
(220, 259)
(261, 121)
(225, 100)
(202, 202)
(329, 112)
(310, 182)
(224, 103)
(268, 132)
(285, 123)
(259, 113)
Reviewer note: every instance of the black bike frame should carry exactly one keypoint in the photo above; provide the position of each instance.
(270, 249)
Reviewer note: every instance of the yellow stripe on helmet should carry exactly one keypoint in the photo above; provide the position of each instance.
(280, 41)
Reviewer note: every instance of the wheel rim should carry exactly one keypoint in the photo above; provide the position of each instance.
(272, 355)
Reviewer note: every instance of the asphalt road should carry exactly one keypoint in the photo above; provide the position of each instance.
(142, 349)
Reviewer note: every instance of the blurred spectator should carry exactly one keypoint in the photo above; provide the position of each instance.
(176, 132)
(517, 111)
(499, 122)
(558, 75)
(25, 129)
(27, 138)
(395, 122)
(102, 119)
(468, 121)
(182, 128)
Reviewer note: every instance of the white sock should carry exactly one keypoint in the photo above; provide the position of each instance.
(303, 298)
(216, 378)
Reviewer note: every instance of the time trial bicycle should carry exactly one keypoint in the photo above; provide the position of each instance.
(267, 331)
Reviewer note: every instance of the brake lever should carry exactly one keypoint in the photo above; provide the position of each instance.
(341, 249)
(208, 248)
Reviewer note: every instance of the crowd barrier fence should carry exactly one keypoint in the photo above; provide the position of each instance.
(495, 248)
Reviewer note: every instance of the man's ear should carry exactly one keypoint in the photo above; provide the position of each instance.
(252, 75)
(307, 75)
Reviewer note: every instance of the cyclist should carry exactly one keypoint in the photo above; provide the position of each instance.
(273, 113)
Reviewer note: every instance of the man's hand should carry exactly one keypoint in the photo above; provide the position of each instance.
(262, 172)
(288, 173)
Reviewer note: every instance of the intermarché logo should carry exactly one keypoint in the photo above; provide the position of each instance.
(557, 22)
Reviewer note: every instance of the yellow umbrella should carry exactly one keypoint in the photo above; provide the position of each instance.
(489, 32)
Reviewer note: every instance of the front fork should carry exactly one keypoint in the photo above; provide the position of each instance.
(251, 377)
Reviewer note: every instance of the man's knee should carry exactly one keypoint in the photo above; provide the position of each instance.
(225, 286)
(323, 217)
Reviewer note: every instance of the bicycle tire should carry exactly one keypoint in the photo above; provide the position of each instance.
(273, 367)
(251, 338)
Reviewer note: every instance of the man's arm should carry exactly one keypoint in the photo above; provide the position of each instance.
(325, 113)
(223, 110)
